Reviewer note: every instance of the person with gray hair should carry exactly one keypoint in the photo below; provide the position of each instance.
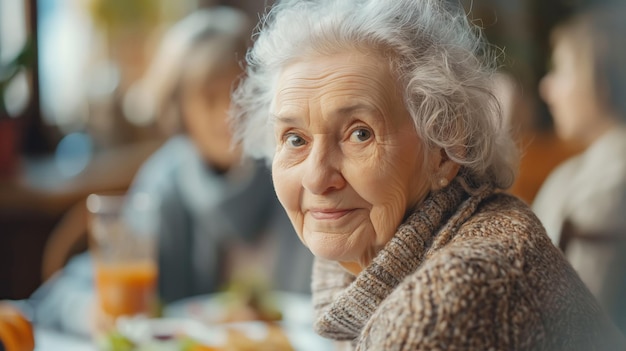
(390, 155)
(216, 216)
(211, 202)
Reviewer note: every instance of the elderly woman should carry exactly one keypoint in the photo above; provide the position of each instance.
(387, 153)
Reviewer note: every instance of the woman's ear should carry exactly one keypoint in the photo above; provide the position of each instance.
(444, 169)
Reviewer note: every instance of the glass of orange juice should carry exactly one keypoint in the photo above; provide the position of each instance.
(123, 246)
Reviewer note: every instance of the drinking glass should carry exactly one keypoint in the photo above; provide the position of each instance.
(123, 247)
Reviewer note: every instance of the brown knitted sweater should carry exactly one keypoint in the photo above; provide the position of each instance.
(464, 272)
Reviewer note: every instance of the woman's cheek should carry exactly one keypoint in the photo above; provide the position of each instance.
(381, 184)
(287, 184)
(386, 216)
(278, 177)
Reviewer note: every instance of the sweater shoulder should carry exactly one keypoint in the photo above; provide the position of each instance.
(506, 233)
(459, 297)
(504, 219)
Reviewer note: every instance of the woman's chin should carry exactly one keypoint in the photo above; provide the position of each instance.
(328, 253)
(331, 251)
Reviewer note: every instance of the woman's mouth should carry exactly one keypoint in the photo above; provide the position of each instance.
(328, 214)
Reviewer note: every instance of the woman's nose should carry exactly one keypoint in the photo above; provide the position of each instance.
(322, 174)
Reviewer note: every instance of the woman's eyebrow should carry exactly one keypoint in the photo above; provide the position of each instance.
(347, 110)
(290, 119)
(283, 118)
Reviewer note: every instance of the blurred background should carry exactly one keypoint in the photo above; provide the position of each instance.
(66, 129)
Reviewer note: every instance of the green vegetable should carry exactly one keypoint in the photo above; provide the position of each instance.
(187, 344)
(115, 341)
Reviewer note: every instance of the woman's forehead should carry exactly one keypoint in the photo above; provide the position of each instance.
(347, 77)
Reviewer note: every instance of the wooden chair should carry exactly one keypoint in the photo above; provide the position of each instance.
(613, 289)
(68, 238)
(569, 232)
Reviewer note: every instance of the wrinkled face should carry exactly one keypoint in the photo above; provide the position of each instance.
(569, 91)
(348, 163)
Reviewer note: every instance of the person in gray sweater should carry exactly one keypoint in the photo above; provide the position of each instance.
(215, 215)
(390, 156)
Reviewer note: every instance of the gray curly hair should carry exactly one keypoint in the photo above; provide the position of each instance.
(436, 53)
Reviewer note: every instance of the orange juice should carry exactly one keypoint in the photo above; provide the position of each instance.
(126, 288)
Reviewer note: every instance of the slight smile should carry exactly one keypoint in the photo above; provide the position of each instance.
(328, 214)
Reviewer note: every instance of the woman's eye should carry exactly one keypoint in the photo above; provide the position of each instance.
(295, 140)
(360, 135)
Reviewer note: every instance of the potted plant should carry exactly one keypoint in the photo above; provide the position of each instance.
(9, 126)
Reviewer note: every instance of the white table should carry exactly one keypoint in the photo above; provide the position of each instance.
(297, 323)
(50, 340)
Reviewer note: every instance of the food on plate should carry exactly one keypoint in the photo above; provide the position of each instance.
(200, 347)
(116, 341)
(16, 332)
(249, 301)
(186, 335)
(275, 340)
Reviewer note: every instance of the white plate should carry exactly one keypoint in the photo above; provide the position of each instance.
(53, 340)
(296, 309)
(142, 331)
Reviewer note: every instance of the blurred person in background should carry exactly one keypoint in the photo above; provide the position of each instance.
(208, 196)
(582, 204)
(216, 215)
